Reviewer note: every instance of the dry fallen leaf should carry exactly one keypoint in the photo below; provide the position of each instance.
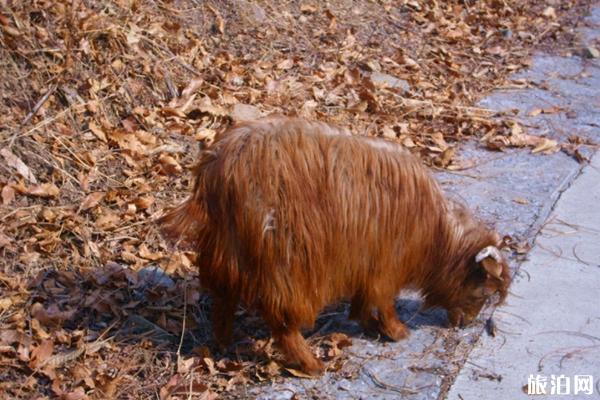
(188, 94)
(169, 165)
(285, 64)
(245, 112)
(16, 163)
(573, 150)
(9, 30)
(8, 195)
(97, 131)
(41, 354)
(91, 200)
(546, 146)
(308, 8)
(210, 365)
(165, 391)
(144, 202)
(4, 240)
(77, 394)
(299, 374)
(6, 302)
(220, 23)
(388, 132)
(549, 12)
(44, 190)
(440, 142)
(185, 365)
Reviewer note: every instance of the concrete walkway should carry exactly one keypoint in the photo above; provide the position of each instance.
(548, 332)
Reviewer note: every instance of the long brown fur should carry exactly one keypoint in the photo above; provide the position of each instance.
(288, 216)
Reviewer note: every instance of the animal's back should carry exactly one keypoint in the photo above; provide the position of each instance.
(313, 216)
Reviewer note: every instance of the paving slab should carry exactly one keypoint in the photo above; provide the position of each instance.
(549, 336)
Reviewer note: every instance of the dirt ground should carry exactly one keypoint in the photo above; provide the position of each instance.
(104, 106)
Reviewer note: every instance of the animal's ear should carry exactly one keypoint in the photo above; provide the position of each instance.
(491, 261)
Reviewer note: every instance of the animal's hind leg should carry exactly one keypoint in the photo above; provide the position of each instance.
(386, 322)
(223, 316)
(389, 324)
(297, 352)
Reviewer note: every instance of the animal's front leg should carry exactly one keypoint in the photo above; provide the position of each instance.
(223, 316)
(297, 352)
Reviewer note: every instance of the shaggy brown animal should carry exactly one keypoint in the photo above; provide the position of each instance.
(288, 216)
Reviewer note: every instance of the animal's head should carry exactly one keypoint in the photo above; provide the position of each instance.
(487, 278)
(473, 270)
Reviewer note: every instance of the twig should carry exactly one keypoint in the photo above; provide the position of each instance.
(429, 103)
(577, 227)
(55, 165)
(190, 389)
(574, 333)
(501, 311)
(70, 151)
(38, 105)
(183, 324)
(570, 354)
(589, 264)
(118, 238)
(122, 228)
(380, 384)
(485, 373)
(50, 120)
(17, 209)
(567, 351)
(556, 253)
(170, 86)
(459, 173)
(175, 57)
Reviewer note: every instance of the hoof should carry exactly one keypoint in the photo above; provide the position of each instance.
(313, 367)
(395, 332)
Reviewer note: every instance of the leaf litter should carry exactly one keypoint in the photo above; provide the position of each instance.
(105, 106)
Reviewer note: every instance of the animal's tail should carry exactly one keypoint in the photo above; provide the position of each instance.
(185, 225)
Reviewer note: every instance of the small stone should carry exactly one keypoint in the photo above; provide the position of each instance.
(388, 132)
(591, 52)
(506, 33)
(549, 12)
(237, 81)
(245, 112)
(380, 79)
(155, 276)
(253, 12)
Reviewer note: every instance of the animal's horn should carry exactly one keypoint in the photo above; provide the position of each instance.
(489, 251)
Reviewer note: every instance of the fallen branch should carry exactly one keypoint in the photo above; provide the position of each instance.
(39, 105)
